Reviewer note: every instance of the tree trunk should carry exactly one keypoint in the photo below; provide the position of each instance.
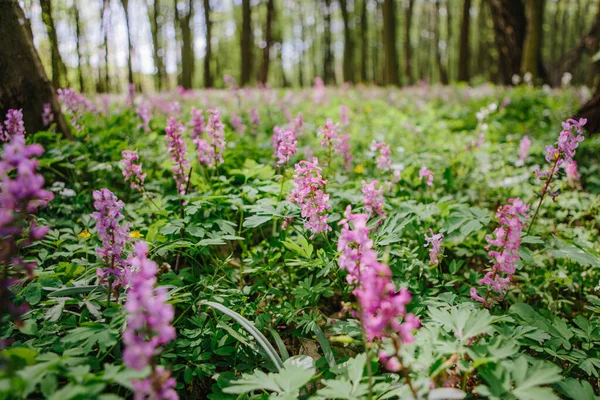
(264, 71)
(348, 61)
(301, 45)
(24, 84)
(509, 27)
(105, 27)
(532, 46)
(364, 41)
(246, 43)
(125, 4)
(407, 44)
(449, 41)
(328, 60)
(187, 44)
(390, 70)
(438, 53)
(464, 48)
(78, 46)
(157, 54)
(208, 23)
(58, 66)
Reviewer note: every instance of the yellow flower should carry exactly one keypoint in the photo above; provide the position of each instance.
(84, 234)
(359, 169)
(136, 235)
(368, 109)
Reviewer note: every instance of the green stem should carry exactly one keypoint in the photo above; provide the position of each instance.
(544, 191)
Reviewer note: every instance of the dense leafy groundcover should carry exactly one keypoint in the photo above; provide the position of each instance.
(234, 264)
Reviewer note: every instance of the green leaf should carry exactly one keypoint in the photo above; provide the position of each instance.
(256, 220)
(325, 346)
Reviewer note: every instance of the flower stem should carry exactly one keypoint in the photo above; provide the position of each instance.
(544, 191)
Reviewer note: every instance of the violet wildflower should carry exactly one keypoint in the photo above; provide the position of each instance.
(133, 172)
(177, 150)
(210, 151)
(380, 306)
(296, 124)
(309, 194)
(21, 194)
(424, 172)
(113, 234)
(342, 147)
(238, 125)
(344, 116)
(144, 114)
(14, 124)
(75, 105)
(506, 241)
(572, 173)
(434, 251)
(197, 123)
(383, 158)
(174, 109)
(373, 199)
(285, 144)
(47, 115)
(329, 131)
(254, 117)
(149, 320)
(524, 146)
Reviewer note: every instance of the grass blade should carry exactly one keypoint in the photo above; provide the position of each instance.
(325, 346)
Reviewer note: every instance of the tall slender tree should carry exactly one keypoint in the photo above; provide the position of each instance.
(465, 48)
(78, 40)
(125, 4)
(105, 28)
(264, 71)
(246, 43)
(58, 66)
(532, 46)
(348, 60)
(390, 70)
(208, 82)
(328, 60)
(364, 40)
(154, 15)
(24, 84)
(408, 17)
(184, 18)
(509, 28)
(437, 41)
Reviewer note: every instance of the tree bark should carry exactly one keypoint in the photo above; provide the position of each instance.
(105, 27)
(78, 46)
(157, 54)
(464, 48)
(348, 61)
(509, 28)
(328, 60)
(408, 71)
(532, 46)
(264, 71)
(364, 41)
(246, 43)
(389, 44)
(187, 44)
(208, 82)
(58, 67)
(24, 84)
(438, 53)
(125, 4)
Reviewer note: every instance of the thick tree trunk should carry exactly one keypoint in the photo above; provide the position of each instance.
(364, 41)
(157, 54)
(58, 66)
(246, 43)
(264, 71)
(328, 60)
(589, 43)
(125, 4)
(464, 57)
(208, 82)
(407, 43)
(105, 28)
(438, 52)
(509, 27)
(591, 111)
(532, 46)
(348, 61)
(24, 84)
(184, 19)
(78, 46)
(389, 44)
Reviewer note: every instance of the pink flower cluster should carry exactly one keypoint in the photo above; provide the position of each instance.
(380, 306)
(21, 194)
(507, 243)
(329, 131)
(567, 142)
(254, 117)
(14, 125)
(434, 251)
(133, 172)
(383, 158)
(197, 123)
(373, 199)
(285, 144)
(424, 172)
(524, 146)
(47, 115)
(238, 125)
(144, 114)
(309, 194)
(344, 116)
(210, 151)
(149, 320)
(75, 104)
(177, 150)
(342, 148)
(572, 173)
(297, 123)
(113, 234)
